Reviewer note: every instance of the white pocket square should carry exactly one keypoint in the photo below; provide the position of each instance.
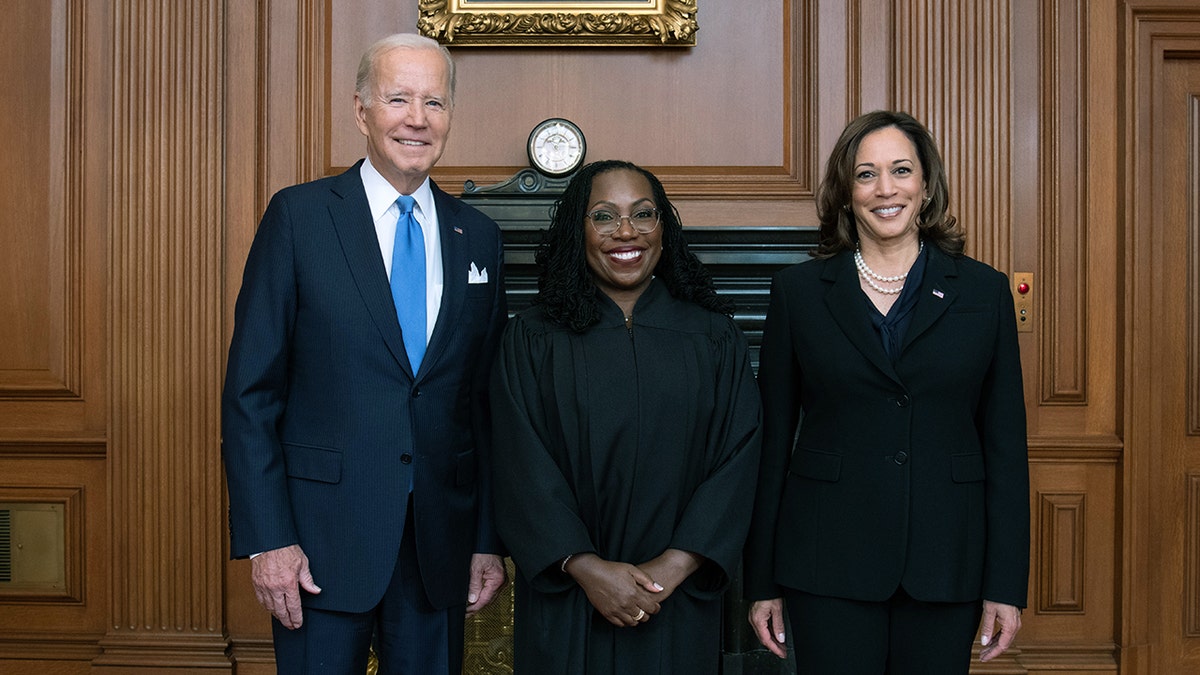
(476, 275)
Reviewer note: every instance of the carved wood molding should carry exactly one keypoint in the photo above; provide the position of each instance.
(1192, 386)
(1060, 551)
(61, 375)
(952, 72)
(1063, 260)
(167, 524)
(1191, 551)
(1153, 31)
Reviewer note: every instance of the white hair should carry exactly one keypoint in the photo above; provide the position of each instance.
(366, 65)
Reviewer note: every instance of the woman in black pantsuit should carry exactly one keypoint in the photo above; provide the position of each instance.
(892, 511)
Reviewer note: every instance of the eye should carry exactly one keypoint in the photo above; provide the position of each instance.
(864, 175)
(602, 216)
(397, 100)
(903, 170)
(645, 215)
(436, 104)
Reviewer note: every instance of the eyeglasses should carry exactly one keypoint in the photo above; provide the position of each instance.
(607, 223)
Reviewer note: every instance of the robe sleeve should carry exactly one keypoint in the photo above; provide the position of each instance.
(715, 522)
(537, 514)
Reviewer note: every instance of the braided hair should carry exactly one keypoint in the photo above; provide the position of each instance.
(566, 289)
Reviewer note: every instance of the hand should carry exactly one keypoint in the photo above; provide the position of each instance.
(1009, 618)
(619, 591)
(278, 575)
(766, 616)
(488, 576)
(670, 569)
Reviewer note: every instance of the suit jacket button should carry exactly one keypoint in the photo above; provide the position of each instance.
(406, 458)
(901, 457)
(902, 400)
(416, 392)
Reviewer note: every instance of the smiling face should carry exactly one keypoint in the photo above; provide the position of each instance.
(622, 263)
(889, 187)
(407, 117)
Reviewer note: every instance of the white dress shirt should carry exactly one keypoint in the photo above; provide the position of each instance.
(382, 198)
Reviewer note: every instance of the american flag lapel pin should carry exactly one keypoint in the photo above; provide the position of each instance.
(458, 229)
(939, 293)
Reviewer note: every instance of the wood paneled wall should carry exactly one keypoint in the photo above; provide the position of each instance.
(143, 139)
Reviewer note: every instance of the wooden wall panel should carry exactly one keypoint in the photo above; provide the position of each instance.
(1063, 292)
(146, 137)
(51, 263)
(167, 335)
(42, 348)
(952, 60)
(1061, 547)
(66, 626)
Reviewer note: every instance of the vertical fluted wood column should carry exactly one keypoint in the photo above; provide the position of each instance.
(166, 520)
(953, 73)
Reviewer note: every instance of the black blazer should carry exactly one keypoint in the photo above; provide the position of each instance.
(324, 423)
(914, 474)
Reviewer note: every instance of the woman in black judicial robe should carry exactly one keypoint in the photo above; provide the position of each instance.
(626, 440)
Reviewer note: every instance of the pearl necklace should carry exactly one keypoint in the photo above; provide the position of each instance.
(870, 276)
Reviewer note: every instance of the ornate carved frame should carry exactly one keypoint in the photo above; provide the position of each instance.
(595, 23)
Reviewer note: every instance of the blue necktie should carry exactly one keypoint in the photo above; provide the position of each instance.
(408, 281)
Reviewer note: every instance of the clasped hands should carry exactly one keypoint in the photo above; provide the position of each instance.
(279, 574)
(627, 595)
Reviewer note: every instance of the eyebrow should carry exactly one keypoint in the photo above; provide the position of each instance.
(894, 162)
(604, 202)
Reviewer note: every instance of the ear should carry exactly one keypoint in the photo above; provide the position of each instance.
(360, 115)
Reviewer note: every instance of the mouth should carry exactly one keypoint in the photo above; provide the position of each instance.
(887, 211)
(405, 141)
(626, 255)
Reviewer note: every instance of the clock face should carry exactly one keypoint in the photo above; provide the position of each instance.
(556, 147)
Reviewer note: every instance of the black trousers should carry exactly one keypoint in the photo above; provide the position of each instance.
(899, 636)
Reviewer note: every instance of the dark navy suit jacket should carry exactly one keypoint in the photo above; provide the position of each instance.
(325, 424)
(878, 474)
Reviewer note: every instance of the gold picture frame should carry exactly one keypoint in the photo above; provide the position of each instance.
(594, 23)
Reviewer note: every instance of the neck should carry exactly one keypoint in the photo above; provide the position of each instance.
(890, 258)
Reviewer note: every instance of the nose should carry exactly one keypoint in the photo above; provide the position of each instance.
(885, 185)
(416, 114)
(625, 228)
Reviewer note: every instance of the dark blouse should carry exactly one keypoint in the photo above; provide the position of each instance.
(894, 325)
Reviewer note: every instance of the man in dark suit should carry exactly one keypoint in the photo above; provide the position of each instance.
(355, 424)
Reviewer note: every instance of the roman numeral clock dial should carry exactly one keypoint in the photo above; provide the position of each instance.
(556, 147)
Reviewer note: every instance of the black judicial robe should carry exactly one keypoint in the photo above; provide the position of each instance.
(623, 442)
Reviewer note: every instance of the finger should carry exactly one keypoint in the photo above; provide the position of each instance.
(491, 588)
(474, 587)
(306, 580)
(292, 607)
(763, 631)
(987, 624)
(1008, 633)
(644, 579)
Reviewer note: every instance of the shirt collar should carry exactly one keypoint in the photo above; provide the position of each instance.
(381, 195)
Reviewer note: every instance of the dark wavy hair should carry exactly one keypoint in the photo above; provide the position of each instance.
(566, 289)
(839, 231)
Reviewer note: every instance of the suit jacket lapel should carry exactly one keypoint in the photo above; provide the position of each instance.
(937, 294)
(351, 215)
(454, 274)
(844, 300)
